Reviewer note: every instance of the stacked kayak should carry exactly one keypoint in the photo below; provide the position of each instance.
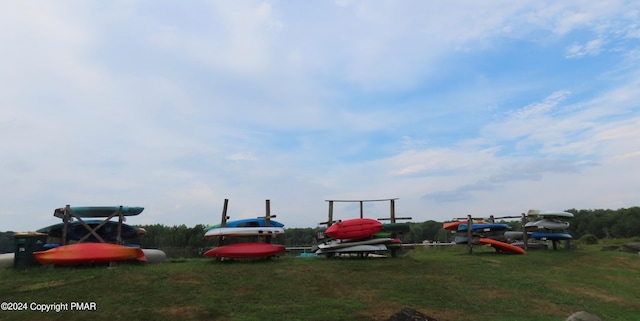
(82, 246)
(482, 233)
(549, 225)
(252, 227)
(360, 236)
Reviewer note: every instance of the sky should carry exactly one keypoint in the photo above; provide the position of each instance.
(453, 107)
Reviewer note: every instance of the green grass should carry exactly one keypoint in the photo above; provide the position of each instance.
(447, 284)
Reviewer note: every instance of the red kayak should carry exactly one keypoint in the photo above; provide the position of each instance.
(89, 253)
(354, 229)
(248, 250)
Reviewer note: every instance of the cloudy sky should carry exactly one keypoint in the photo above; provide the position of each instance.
(454, 107)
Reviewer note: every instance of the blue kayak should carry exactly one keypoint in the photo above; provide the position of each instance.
(248, 222)
(100, 211)
(75, 230)
(484, 227)
(551, 236)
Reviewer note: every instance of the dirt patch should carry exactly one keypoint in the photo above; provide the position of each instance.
(185, 280)
(39, 286)
(180, 310)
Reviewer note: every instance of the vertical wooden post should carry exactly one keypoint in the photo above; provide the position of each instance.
(393, 211)
(524, 232)
(223, 221)
(361, 209)
(469, 233)
(120, 217)
(330, 221)
(267, 219)
(65, 220)
(392, 215)
(491, 219)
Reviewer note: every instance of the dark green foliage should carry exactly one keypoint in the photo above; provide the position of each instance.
(588, 239)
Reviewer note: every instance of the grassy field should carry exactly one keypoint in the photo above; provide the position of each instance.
(445, 283)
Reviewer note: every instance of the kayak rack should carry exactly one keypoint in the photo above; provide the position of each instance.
(67, 216)
(392, 210)
(225, 218)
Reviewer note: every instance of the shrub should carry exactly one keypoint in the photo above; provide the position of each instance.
(589, 239)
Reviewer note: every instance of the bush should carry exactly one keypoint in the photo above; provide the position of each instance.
(589, 239)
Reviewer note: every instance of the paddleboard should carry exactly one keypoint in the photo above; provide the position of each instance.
(354, 229)
(154, 255)
(550, 213)
(336, 244)
(551, 236)
(486, 227)
(6, 260)
(248, 222)
(89, 253)
(244, 231)
(549, 224)
(502, 246)
(246, 250)
(99, 211)
(75, 230)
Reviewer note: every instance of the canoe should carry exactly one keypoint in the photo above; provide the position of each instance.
(75, 230)
(99, 211)
(248, 250)
(551, 236)
(248, 222)
(550, 213)
(6, 260)
(337, 244)
(354, 228)
(502, 246)
(367, 248)
(549, 224)
(154, 255)
(486, 227)
(244, 231)
(89, 253)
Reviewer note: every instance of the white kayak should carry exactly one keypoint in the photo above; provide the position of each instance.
(549, 213)
(548, 224)
(244, 231)
(367, 248)
(337, 244)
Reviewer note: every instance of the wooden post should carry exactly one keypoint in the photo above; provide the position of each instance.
(392, 210)
(223, 221)
(361, 209)
(267, 219)
(330, 221)
(65, 220)
(492, 219)
(120, 218)
(469, 233)
(524, 232)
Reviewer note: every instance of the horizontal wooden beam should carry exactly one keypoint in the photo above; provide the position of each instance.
(397, 218)
(378, 200)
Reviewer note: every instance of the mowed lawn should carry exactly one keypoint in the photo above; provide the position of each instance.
(445, 283)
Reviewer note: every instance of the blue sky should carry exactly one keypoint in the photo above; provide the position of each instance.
(454, 107)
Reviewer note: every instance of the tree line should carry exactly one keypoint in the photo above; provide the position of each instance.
(602, 223)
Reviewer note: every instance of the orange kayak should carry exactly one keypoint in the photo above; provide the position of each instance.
(89, 253)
